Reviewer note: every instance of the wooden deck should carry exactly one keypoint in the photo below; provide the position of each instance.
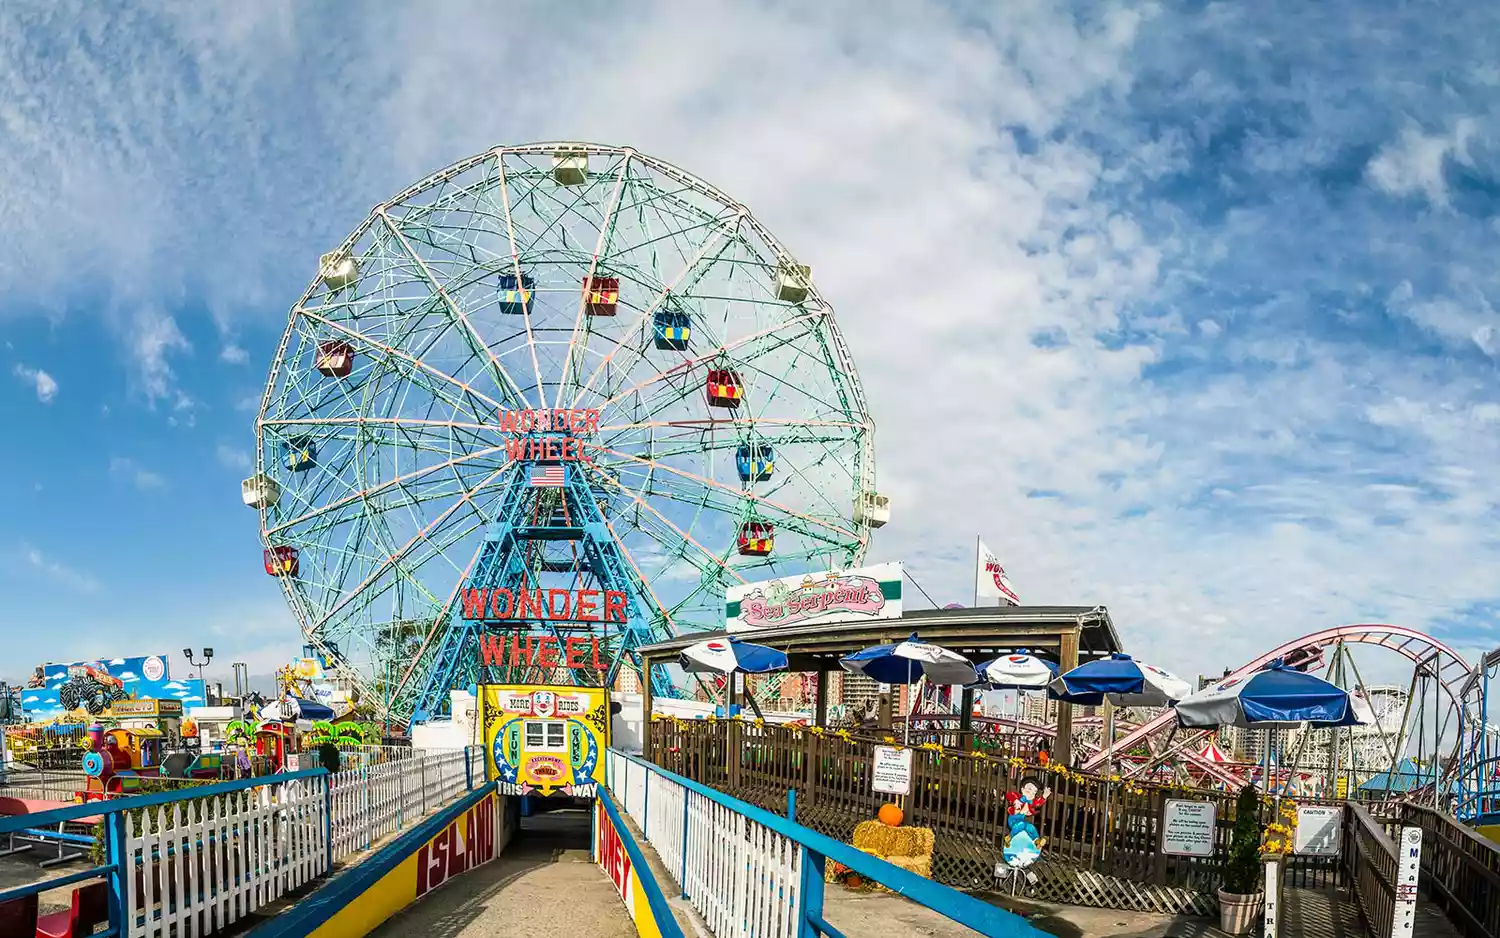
(1331, 913)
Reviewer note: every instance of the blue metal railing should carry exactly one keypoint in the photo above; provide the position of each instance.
(684, 820)
(112, 813)
(666, 922)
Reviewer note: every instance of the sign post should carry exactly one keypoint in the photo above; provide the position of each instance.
(1273, 896)
(1408, 870)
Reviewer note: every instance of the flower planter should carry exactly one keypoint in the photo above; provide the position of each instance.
(1237, 913)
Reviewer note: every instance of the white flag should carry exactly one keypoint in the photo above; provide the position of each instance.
(992, 583)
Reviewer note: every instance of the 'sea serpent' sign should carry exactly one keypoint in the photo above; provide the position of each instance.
(862, 593)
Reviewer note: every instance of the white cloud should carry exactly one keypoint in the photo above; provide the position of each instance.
(56, 572)
(994, 162)
(44, 384)
(122, 467)
(154, 337)
(232, 458)
(234, 354)
(1414, 162)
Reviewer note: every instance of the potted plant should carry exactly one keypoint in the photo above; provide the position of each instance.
(1240, 896)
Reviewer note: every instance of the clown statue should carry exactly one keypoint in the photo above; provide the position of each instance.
(1023, 845)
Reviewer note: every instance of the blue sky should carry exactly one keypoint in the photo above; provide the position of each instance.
(1186, 307)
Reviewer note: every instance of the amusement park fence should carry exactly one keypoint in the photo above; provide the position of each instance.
(373, 801)
(196, 860)
(1460, 870)
(1102, 836)
(749, 872)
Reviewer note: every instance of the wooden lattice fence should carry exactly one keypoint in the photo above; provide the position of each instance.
(1101, 835)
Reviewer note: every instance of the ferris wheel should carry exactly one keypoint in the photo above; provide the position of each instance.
(720, 433)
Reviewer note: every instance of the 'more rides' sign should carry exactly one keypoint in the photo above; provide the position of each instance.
(811, 599)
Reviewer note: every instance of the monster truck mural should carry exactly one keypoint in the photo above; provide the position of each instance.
(90, 688)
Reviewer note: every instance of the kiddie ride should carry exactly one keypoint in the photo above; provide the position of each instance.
(120, 757)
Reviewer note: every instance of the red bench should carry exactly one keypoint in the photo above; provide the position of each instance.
(90, 907)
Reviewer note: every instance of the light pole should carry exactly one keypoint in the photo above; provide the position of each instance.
(208, 655)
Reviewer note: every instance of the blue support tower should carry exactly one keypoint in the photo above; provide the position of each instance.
(549, 534)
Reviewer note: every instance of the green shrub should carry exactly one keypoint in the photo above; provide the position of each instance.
(1242, 871)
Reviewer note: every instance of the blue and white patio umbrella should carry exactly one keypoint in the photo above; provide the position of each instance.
(1275, 696)
(909, 661)
(730, 656)
(1020, 671)
(1125, 681)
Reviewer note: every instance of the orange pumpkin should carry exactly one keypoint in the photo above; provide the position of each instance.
(890, 815)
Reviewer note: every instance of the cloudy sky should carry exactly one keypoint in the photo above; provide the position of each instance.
(1186, 307)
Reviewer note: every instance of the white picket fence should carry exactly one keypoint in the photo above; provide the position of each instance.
(197, 865)
(742, 877)
(375, 801)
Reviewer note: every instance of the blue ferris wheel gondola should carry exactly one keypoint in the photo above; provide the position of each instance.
(516, 292)
(671, 330)
(755, 463)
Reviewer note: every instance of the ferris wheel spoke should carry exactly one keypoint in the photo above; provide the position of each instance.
(689, 364)
(417, 366)
(366, 495)
(650, 308)
(733, 497)
(640, 575)
(515, 257)
(580, 319)
(462, 502)
(686, 537)
(477, 343)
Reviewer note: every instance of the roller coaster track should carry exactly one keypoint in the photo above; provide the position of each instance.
(1454, 676)
(1007, 725)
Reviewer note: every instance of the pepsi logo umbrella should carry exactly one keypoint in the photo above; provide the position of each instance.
(729, 656)
(1125, 681)
(1020, 671)
(909, 661)
(1274, 696)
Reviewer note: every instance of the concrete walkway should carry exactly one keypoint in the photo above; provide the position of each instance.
(874, 913)
(544, 883)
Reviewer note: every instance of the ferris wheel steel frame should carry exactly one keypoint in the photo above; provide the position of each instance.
(412, 300)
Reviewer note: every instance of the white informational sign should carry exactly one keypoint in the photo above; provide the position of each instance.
(1187, 828)
(1408, 868)
(844, 596)
(1319, 830)
(892, 773)
(293, 762)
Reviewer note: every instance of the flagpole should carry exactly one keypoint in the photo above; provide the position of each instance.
(976, 570)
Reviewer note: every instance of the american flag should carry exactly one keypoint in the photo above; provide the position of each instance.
(549, 476)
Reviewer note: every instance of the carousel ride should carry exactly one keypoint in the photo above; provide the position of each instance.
(567, 389)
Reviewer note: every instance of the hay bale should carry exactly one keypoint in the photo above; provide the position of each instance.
(922, 866)
(910, 842)
(875, 838)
